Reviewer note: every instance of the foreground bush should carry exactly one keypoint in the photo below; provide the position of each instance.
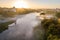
(52, 29)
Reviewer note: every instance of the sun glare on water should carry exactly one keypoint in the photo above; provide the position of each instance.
(20, 4)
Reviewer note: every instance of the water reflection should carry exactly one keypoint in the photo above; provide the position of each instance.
(22, 30)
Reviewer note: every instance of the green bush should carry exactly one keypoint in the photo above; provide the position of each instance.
(52, 29)
(4, 26)
(58, 14)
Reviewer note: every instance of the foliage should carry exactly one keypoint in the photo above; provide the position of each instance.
(9, 13)
(58, 14)
(24, 11)
(4, 26)
(52, 29)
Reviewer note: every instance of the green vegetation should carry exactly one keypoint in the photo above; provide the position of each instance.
(52, 29)
(7, 12)
(4, 26)
(24, 11)
(58, 14)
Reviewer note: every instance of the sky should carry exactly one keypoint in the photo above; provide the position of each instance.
(33, 3)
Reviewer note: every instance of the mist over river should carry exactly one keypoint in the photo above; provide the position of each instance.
(22, 29)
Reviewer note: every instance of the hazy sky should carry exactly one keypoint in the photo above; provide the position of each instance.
(33, 3)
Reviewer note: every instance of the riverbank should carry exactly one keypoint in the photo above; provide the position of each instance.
(4, 26)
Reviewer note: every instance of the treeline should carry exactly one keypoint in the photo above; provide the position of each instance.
(8, 12)
(24, 11)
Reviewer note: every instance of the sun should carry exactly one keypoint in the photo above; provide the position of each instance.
(20, 4)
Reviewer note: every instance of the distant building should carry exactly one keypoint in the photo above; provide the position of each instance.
(13, 9)
(9, 9)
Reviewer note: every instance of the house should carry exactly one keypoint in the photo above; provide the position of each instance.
(9, 9)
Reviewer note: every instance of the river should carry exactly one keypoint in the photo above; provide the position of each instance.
(22, 29)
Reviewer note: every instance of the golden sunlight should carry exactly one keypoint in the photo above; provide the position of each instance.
(20, 4)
